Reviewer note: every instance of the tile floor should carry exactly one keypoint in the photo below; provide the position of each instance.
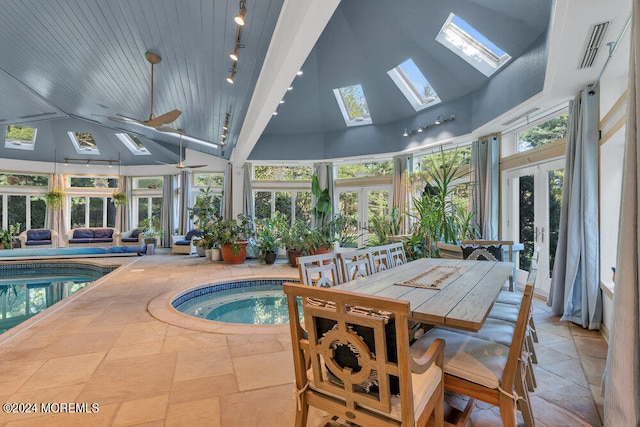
(106, 345)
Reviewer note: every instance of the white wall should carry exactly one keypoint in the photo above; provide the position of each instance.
(613, 85)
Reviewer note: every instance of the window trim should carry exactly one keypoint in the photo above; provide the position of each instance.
(19, 144)
(408, 89)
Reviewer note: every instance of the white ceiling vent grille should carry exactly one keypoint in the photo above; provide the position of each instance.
(594, 41)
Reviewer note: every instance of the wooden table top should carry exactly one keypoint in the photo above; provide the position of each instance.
(467, 291)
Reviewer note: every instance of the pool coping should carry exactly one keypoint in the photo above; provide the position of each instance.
(161, 308)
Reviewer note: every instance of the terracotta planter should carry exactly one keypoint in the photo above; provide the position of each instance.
(235, 253)
(292, 256)
(322, 250)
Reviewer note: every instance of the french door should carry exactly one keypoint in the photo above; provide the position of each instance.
(361, 204)
(531, 208)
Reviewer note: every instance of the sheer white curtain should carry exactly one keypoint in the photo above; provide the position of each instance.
(485, 164)
(183, 202)
(400, 184)
(622, 374)
(168, 190)
(575, 288)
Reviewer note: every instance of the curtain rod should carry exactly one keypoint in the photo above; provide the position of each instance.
(612, 48)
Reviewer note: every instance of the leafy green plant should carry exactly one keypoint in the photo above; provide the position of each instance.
(150, 228)
(297, 237)
(383, 226)
(203, 214)
(271, 230)
(6, 239)
(231, 231)
(322, 210)
(437, 218)
(119, 198)
(55, 198)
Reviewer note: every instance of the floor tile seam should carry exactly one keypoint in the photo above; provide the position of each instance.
(566, 409)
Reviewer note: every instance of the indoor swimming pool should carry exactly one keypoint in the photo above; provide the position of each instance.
(27, 289)
(253, 302)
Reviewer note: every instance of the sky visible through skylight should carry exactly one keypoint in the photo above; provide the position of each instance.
(477, 35)
(418, 81)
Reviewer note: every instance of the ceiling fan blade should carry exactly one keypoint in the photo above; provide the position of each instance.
(164, 119)
(194, 166)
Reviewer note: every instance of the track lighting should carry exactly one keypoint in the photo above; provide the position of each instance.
(89, 162)
(440, 119)
(232, 76)
(234, 55)
(239, 18)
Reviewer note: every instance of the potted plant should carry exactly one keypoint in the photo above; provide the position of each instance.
(205, 218)
(150, 228)
(296, 239)
(234, 236)
(119, 198)
(55, 198)
(437, 217)
(269, 236)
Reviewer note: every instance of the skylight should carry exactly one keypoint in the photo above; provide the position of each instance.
(353, 105)
(470, 45)
(133, 144)
(20, 138)
(414, 85)
(84, 142)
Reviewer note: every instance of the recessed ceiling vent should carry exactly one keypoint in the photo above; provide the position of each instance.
(594, 41)
(33, 116)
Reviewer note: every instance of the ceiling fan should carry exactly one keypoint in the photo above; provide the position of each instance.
(180, 165)
(153, 121)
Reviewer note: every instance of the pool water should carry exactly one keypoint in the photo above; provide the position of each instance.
(263, 304)
(25, 292)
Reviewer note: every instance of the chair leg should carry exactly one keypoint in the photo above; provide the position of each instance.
(532, 328)
(302, 414)
(524, 404)
(532, 349)
(438, 412)
(508, 411)
(529, 374)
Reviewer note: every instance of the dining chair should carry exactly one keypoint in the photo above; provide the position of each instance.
(356, 263)
(486, 370)
(492, 250)
(323, 270)
(449, 250)
(351, 359)
(397, 255)
(380, 258)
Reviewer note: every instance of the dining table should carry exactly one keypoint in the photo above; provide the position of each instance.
(441, 292)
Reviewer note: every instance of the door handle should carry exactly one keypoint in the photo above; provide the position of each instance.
(535, 236)
(542, 235)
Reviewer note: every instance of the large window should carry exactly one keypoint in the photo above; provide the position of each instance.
(284, 189)
(92, 211)
(147, 198)
(22, 203)
(543, 133)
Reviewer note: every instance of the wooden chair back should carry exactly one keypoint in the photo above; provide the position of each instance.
(397, 255)
(380, 258)
(374, 332)
(449, 250)
(322, 270)
(504, 243)
(356, 264)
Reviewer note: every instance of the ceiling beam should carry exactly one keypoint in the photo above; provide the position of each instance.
(298, 28)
